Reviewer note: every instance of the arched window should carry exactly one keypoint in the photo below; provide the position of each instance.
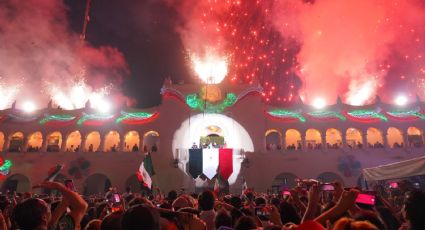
(92, 142)
(313, 139)
(395, 137)
(132, 141)
(73, 142)
(354, 138)
(54, 142)
(16, 142)
(374, 138)
(292, 139)
(415, 137)
(273, 139)
(35, 142)
(151, 141)
(329, 177)
(283, 181)
(112, 141)
(1, 141)
(333, 139)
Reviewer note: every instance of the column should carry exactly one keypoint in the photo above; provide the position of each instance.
(324, 144)
(303, 145)
(344, 140)
(101, 143)
(44, 144)
(63, 146)
(364, 139)
(122, 144)
(83, 142)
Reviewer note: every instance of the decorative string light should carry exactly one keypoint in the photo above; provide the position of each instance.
(136, 117)
(57, 119)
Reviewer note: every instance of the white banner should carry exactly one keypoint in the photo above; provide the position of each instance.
(209, 162)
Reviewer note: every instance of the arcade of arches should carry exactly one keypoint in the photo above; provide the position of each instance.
(112, 141)
(393, 137)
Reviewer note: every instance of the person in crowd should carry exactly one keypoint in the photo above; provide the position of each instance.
(206, 206)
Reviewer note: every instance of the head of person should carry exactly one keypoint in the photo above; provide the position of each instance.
(206, 201)
(172, 195)
(371, 217)
(140, 217)
(112, 221)
(245, 223)
(236, 202)
(223, 218)
(181, 202)
(414, 209)
(351, 224)
(93, 225)
(32, 213)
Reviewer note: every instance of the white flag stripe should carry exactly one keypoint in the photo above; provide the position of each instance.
(146, 178)
(210, 162)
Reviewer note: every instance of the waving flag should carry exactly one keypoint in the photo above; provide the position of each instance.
(143, 176)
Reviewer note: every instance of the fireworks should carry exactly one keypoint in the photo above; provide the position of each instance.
(211, 69)
(8, 94)
(355, 49)
(77, 95)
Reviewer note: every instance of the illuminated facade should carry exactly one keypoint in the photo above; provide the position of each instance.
(273, 145)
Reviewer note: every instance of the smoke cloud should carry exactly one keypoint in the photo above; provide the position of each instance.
(355, 48)
(42, 59)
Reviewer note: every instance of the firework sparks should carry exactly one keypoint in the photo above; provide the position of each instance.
(211, 68)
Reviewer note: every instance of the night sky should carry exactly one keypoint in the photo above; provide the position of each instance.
(144, 32)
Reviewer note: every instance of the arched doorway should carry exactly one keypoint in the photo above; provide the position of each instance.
(151, 141)
(333, 138)
(35, 142)
(54, 142)
(133, 183)
(96, 183)
(112, 141)
(73, 142)
(374, 138)
(283, 181)
(313, 139)
(17, 182)
(92, 142)
(415, 137)
(1, 141)
(16, 142)
(395, 138)
(273, 139)
(329, 177)
(354, 138)
(292, 139)
(132, 142)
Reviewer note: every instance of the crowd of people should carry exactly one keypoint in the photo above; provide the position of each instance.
(310, 205)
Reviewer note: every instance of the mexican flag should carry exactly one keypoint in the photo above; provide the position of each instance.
(146, 171)
(207, 161)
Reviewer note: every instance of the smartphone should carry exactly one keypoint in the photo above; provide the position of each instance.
(117, 198)
(262, 212)
(393, 185)
(365, 198)
(70, 185)
(327, 187)
(286, 194)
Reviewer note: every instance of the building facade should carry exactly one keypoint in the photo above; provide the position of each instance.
(273, 146)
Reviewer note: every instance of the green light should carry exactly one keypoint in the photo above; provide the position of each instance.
(98, 117)
(287, 114)
(327, 114)
(133, 115)
(367, 114)
(410, 113)
(194, 102)
(6, 165)
(57, 117)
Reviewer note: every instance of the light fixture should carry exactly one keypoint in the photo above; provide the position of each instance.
(28, 107)
(319, 103)
(400, 100)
